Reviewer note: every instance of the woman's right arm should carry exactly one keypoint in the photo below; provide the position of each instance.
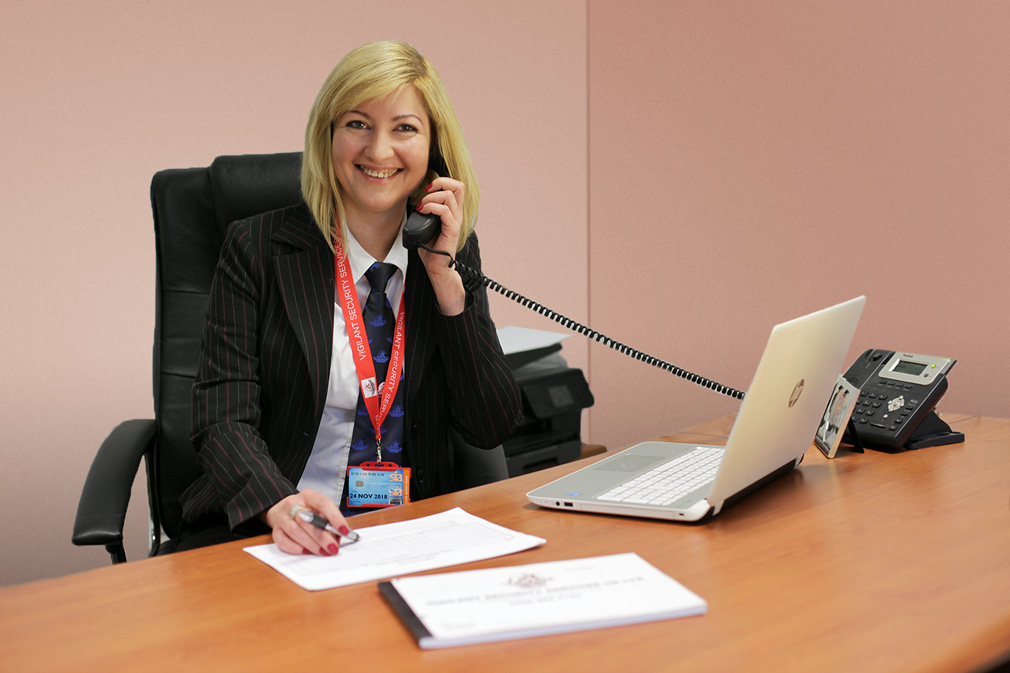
(227, 409)
(226, 392)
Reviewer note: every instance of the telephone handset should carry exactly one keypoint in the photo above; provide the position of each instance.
(897, 398)
(420, 229)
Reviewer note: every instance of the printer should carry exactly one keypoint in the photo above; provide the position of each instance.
(554, 396)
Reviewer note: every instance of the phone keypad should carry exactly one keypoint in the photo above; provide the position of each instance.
(885, 407)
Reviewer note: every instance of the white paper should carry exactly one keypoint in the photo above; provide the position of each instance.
(521, 339)
(542, 598)
(435, 541)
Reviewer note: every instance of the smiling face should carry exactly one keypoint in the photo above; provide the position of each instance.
(380, 156)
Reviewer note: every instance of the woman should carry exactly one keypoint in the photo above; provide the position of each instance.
(278, 396)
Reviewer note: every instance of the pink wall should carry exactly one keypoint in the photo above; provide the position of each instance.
(751, 162)
(741, 159)
(98, 96)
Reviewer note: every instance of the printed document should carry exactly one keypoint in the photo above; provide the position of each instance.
(477, 606)
(435, 541)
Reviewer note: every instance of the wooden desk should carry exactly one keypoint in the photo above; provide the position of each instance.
(865, 563)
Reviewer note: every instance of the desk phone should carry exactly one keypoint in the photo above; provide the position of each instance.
(898, 393)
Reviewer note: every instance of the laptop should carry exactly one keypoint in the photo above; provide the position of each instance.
(774, 427)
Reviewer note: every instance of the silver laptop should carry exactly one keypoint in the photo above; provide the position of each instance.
(774, 428)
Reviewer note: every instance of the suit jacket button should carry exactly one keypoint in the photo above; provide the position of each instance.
(416, 429)
(420, 475)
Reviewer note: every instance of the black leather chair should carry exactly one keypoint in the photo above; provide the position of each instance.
(192, 210)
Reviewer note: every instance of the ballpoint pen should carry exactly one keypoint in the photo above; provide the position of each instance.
(319, 522)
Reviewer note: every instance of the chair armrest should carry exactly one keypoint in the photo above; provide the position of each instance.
(101, 511)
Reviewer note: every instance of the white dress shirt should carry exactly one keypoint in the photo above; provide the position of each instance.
(326, 469)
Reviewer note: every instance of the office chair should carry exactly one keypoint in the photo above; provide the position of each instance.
(192, 210)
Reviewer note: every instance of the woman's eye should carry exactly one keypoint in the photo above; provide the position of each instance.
(356, 124)
(407, 127)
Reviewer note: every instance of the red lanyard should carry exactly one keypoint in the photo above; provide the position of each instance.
(348, 297)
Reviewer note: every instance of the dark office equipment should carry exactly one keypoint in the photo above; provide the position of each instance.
(898, 393)
(554, 396)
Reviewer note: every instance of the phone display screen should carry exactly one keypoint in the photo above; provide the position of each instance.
(909, 367)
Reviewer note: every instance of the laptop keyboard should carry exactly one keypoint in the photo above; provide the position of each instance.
(670, 481)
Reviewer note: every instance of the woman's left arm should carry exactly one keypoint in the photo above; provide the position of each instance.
(486, 405)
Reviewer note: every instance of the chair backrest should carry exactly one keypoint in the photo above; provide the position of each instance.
(192, 210)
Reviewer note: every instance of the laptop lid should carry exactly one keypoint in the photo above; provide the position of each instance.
(787, 396)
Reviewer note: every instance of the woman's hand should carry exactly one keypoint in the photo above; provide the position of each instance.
(293, 535)
(445, 199)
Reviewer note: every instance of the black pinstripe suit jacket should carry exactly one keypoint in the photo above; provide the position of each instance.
(265, 362)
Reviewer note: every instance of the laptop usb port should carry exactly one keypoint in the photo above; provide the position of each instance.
(568, 504)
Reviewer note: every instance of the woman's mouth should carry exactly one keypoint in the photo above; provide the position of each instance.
(381, 173)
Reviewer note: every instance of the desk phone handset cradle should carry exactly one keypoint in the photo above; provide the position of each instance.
(898, 393)
(420, 229)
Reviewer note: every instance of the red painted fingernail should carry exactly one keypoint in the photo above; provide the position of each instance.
(429, 186)
(306, 551)
(418, 206)
(333, 548)
(344, 530)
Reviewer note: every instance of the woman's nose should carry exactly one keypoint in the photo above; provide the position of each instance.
(379, 147)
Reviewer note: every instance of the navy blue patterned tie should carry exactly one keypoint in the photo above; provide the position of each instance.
(380, 325)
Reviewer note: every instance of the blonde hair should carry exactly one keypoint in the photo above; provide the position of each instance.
(374, 71)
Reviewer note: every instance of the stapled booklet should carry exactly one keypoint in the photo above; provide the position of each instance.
(477, 606)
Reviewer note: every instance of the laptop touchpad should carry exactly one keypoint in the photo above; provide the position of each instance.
(629, 463)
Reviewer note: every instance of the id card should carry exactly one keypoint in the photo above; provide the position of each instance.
(378, 485)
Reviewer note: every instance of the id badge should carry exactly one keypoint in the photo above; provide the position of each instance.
(378, 485)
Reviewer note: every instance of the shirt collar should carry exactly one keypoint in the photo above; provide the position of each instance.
(360, 260)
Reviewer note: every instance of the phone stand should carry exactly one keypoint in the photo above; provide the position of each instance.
(933, 431)
(852, 437)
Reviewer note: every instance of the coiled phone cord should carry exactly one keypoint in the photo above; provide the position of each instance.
(470, 275)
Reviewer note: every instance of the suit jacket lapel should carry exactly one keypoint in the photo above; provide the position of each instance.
(305, 276)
